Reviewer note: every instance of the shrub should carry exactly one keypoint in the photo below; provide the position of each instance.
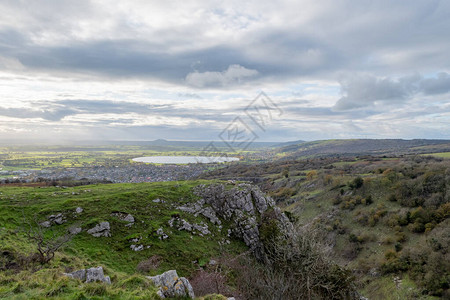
(392, 198)
(46, 247)
(368, 200)
(150, 264)
(337, 200)
(296, 268)
(356, 183)
(209, 282)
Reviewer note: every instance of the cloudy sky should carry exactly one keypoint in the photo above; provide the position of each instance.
(184, 70)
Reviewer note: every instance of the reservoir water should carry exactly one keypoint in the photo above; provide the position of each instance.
(184, 159)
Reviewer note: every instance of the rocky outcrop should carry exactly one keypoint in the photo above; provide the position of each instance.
(90, 275)
(124, 217)
(102, 229)
(181, 224)
(243, 204)
(162, 235)
(57, 219)
(172, 286)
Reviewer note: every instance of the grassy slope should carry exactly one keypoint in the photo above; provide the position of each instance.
(312, 203)
(180, 251)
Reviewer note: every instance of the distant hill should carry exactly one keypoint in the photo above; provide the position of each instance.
(285, 144)
(353, 147)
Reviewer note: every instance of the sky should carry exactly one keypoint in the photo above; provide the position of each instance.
(194, 70)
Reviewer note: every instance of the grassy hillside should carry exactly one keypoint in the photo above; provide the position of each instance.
(363, 147)
(387, 219)
(182, 250)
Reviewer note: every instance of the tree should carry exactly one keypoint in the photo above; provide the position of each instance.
(46, 247)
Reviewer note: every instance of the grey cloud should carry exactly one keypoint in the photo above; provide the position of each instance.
(334, 40)
(55, 114)
(59, 109)
(234, 74)
(438, 85)
(365, 90)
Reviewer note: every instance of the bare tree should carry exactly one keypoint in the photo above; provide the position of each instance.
(46, 246)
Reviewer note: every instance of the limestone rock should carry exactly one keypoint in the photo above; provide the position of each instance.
(46, 224)
(161, 233)
(243, 204)
(96, 274)
(181, 224)
(80, 274)
(90, 275)
(74, 230)
(102, 229)
(172, 286)
(78, 210)
(57, 219)
(124, 217)
(137, 247)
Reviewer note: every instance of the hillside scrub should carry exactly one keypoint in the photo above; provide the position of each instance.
(382, 216)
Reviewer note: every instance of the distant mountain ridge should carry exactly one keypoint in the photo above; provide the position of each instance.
(365, 147)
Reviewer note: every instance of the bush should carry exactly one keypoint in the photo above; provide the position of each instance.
(295, 268)
(392, 198)
(150, 264)
(356, 183)
(368, 200)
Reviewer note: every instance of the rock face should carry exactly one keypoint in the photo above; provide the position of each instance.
(243, 204)
(90, 275)
(172, 286)
(102, 229)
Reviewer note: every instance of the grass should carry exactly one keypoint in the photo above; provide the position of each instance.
(312, 204)
(440, 154)
(385, 288)
(181, 251)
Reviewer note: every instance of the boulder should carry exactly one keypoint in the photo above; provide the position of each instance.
(162, 234)
(46, 224)
(124, 217)
(78, 210)
(172, 286)
(96, 274)
(102, 229)
(90, 275)
(74, 230)
(80, 274)
(57, 219)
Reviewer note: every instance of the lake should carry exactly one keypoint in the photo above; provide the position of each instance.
(184, 159)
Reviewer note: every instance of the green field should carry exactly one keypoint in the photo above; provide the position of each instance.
(37, 158)
(440, 154)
